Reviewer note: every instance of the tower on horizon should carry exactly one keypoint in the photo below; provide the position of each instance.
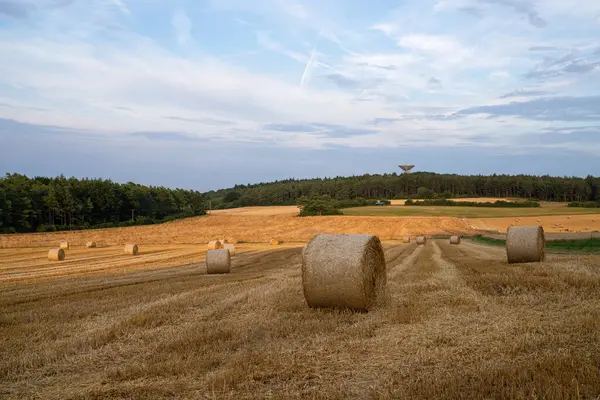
(406, 168)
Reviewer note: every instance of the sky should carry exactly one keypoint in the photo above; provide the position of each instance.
(207, 94)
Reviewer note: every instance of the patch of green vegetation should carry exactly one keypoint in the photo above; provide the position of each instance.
(489, 241)
(465, 212)
(496, 204)
(585, 204)
(582, 245)
(575, 245)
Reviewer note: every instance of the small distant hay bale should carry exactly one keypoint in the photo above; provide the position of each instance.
(218, 261)
(56, 255)
(90, 245)
(455, 239)
(131, 249)
(421, 240)
(406, 239)
(64, 245)
(343, 271)
(215, 244)
(224, 241)
(525, 244)
(231, 248)
(275, 242)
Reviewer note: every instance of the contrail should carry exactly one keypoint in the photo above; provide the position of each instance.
(310, 63)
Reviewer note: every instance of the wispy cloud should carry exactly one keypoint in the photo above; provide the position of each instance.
(546, 109)
(524, 93)
(525, 7)
(15, 9)
(303, 74)
(182, 26)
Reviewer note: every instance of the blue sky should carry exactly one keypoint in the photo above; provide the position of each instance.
(209, 93)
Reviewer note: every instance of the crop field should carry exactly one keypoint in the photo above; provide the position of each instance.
(458, 322)
(247, 228)
(467, 212)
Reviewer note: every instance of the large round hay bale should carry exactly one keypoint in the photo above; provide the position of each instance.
(56, 255)
(64, 245)
(406, 239)
(421, 240)
(230, 247)
(131, 249)
(343, 271)
(90, 245)
(218, 261)
(525, 244)
(214, 245)
(455, 239)
(275, 242)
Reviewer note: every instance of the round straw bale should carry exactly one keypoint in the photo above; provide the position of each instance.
(90, 245)
(231, 248)
(218, 261)
(525, 244)
(343, 271)
(275, 242)
(56, 255)
(215, 244)
(406, 239)
(224, 241)
(421, 240)
(455, 239)
(131, 249)
(64, 245)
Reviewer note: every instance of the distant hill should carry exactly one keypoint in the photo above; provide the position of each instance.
(413, 185)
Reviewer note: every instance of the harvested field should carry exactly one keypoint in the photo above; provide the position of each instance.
(466, 212)
(259, 211)
(262, 229)
(459, 323)
(558, 223)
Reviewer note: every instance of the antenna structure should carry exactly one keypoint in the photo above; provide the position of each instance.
(406, 168)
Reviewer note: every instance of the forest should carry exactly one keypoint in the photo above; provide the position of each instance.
(47, 204)
(422, 185)
(40, 204)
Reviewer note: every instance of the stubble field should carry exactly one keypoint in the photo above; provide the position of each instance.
(459, 322)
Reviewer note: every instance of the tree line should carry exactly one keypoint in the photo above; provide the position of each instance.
(414, 185)
(41, 204)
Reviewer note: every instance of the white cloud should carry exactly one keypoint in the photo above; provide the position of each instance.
(446, 47)
(120, 4)
(131, 83)
(265, 40)
(183, 27)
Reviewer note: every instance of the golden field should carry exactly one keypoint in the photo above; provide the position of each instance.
(261, 224)
(458, 322)
(254, 228)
